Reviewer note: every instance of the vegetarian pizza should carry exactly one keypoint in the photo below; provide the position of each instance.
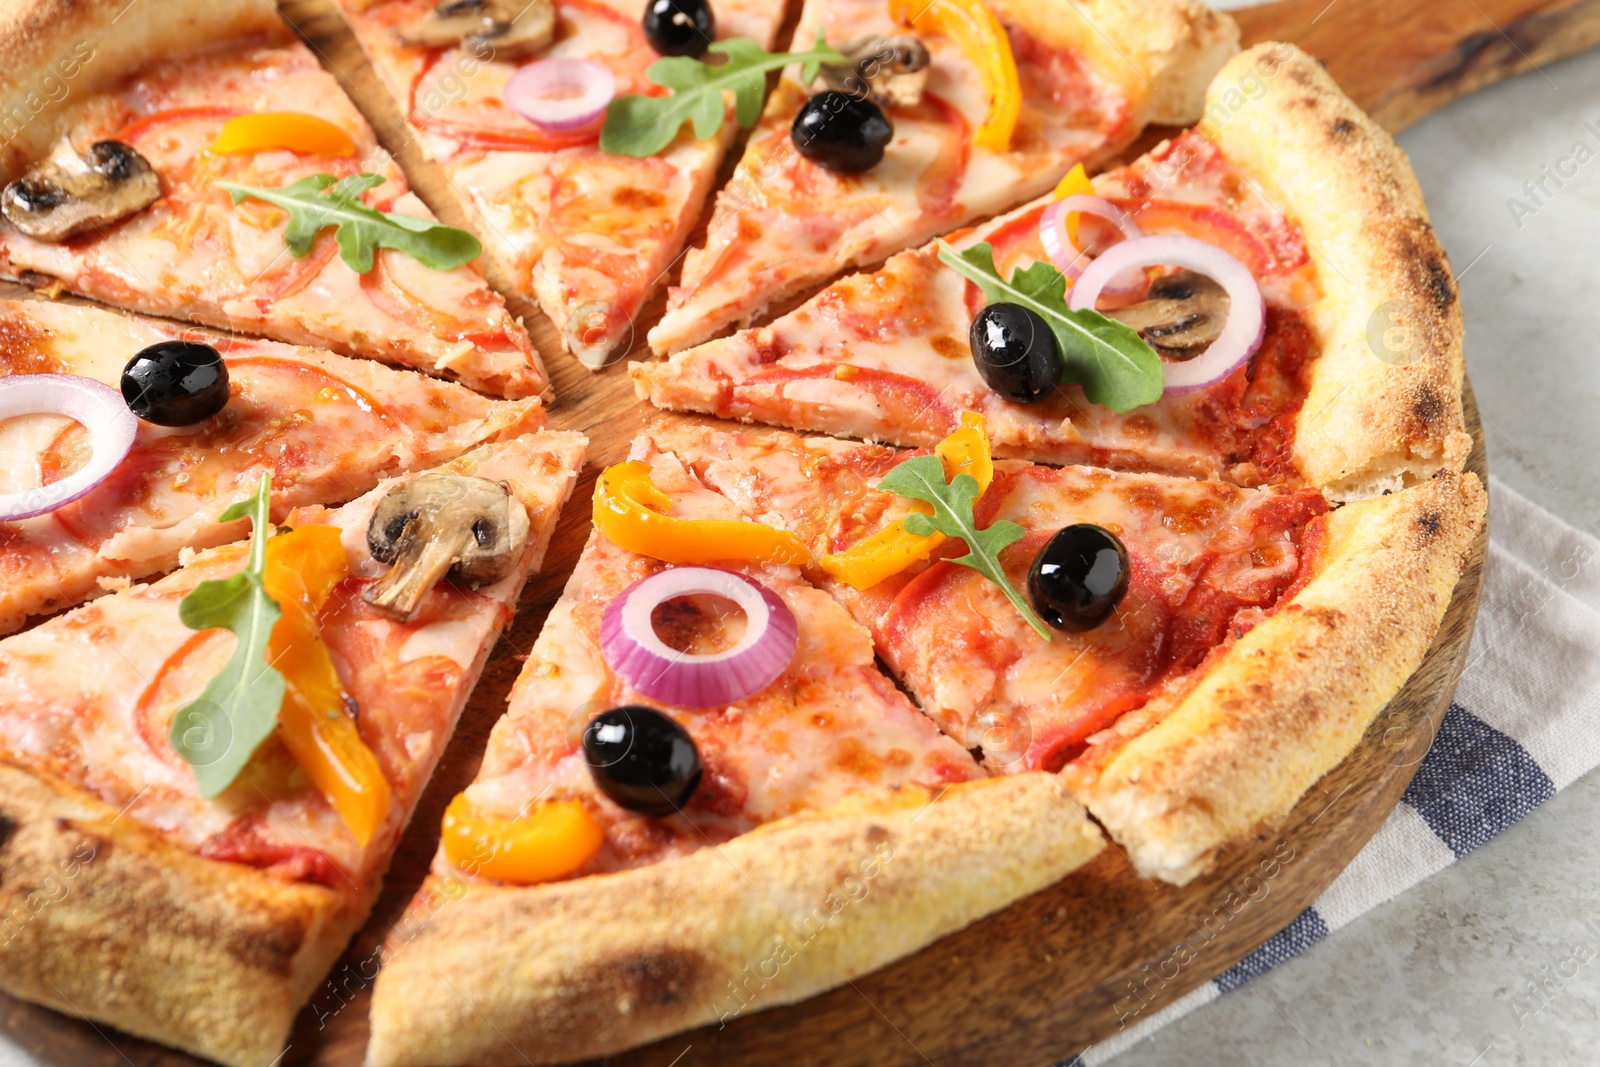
(1260, 527)
(223, 803)
(509, 97)
(1132, 505)
(126, 437)
(202, 165)
(944, 111)
(1296, 321)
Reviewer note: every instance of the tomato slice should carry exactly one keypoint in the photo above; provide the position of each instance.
(1209, 224)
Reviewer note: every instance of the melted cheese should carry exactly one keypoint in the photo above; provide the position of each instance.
(90, 695)
(830, 725)
(1201, 552)
(326, 427)
(194, 254)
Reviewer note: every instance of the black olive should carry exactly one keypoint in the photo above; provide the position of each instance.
(1016, 353)
(176, 383)
(680, 27)
(841, 132)
(642, 759)
(1079, 577)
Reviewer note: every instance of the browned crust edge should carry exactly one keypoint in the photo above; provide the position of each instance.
(55, 54)
(1292, 697)
(1163, 53)
(100, 917)
(1371, 423)
(583, 968)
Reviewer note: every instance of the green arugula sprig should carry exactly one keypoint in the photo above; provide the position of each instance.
(644, 125)
(922, 478)
(238, 709)
(1115, 366)
(362, 230)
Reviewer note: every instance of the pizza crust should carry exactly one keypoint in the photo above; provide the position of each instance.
(1161, 52)
(1376, 418)
(1291, 699)
(587, 967)
(56, 54)
(101, 917)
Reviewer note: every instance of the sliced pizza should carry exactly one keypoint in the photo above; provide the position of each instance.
(1138, 633)
(945, 112)
(222, 808)
(509, 98)
(1336, 363)
(205, 167)
(91, 496)
(702, 771)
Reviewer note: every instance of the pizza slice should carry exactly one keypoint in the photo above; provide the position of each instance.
(191, 172)
(588, 233)
(1190, 655)
(222, 808)
(705, 799)
(325, 427)
(973, 107)
(1346, 373)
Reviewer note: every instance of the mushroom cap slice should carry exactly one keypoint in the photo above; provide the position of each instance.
(1182, 315)
(492, 29)
(67, 194)
(436, 524)
(891, 71)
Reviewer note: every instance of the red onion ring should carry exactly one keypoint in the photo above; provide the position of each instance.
(95, 406)
(561, 94)
(630, 645)
(1065, 253)
(1247, 312)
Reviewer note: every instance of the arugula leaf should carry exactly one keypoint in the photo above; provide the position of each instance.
(922, 478)
(362, 230)
(238, 709)
(1108, 358)
(644, 125)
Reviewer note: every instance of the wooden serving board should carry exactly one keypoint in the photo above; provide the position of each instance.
(1104, 948)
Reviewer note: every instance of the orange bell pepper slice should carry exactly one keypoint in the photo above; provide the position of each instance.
(630, 511)
(550, 841)
(293, 130)
(1074, 184)
(893, 549)
(972, 26)
(303, 568)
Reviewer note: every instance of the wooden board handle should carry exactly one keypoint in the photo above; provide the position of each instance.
(1401, 59)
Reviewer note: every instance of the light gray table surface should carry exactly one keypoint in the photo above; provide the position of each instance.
(1428, 977)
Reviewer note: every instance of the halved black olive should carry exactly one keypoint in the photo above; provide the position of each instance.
(642, 759)
(1079, 577)
(176, 383)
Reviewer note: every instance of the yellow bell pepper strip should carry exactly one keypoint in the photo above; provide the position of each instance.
(303, 568)
(630, 511)
(1075, 183)
(550, 841)
(893, 549)
(293, 130)
(974, 28)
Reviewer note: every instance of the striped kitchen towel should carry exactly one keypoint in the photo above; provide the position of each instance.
(1525, 723)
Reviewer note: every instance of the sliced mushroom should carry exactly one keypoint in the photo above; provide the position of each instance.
(471, 528)
(66, 194)
(891, 71)
(1181, 316)
(508, 29)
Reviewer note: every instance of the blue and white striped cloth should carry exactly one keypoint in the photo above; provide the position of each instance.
(1525, 723)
